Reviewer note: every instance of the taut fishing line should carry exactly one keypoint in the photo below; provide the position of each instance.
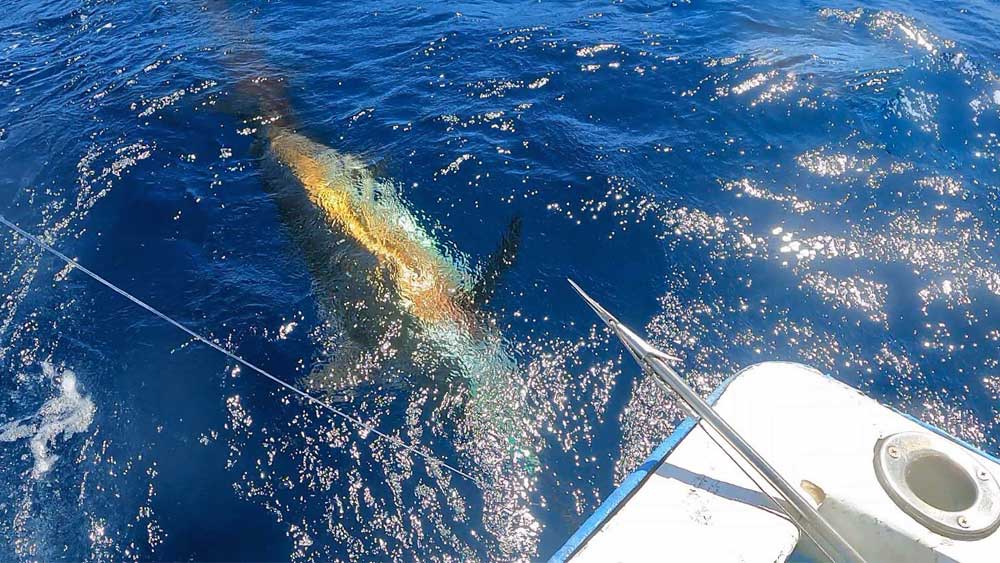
(232, 355)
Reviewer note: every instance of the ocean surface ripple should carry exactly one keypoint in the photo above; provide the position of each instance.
(813, 182)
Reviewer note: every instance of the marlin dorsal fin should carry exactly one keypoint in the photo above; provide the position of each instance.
(498, 262)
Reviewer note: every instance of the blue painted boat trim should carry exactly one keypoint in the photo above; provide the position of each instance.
(633, 482)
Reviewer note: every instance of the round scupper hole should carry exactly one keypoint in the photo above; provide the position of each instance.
(940, 482)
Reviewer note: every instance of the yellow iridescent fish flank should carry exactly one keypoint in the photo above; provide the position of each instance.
(427, 283)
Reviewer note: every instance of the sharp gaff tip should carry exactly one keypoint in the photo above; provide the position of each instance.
(607, 317)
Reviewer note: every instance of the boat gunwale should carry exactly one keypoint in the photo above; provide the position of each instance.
(634, 481)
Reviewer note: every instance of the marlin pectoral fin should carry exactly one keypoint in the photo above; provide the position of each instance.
(340, 378)
(498, 262)
(333, 382)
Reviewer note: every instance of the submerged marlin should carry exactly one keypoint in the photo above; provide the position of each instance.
(397, 292)
(404, 306)
(395, 281)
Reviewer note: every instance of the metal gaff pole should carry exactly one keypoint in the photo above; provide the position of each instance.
(798, 508)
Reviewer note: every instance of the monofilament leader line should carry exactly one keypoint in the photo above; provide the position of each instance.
(232, 355)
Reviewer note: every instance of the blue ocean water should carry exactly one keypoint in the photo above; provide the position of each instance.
(813, 181)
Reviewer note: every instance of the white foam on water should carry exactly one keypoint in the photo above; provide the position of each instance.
(64, 414)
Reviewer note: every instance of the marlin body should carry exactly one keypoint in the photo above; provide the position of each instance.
(403, 305)
(397, 290)
(398, 293)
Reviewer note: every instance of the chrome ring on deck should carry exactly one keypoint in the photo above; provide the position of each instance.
(939, 484)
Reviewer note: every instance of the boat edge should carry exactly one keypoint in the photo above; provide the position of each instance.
(634, 480)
